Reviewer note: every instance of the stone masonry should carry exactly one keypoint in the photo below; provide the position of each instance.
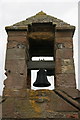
(40, 35)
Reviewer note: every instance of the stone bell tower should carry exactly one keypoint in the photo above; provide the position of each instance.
(40, 35)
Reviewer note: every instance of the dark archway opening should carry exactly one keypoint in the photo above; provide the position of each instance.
(41, 37)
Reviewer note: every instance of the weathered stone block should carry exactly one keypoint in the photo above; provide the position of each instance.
(59, 53)
(65, 80)
(16, 93)
(16, 53)
(67, 62)
(64, 34)
(63, 39)
(15, 44)
(64, 66)
(16, 71)
(17, 38)
(17, 33)
(67, 53)
(64, 45)
(64, 53)
(12, 44)
(16, 66)
(58, 66)
(68, 44)
(74, 116)
(16, 81)
(68, 69)
(73, 93)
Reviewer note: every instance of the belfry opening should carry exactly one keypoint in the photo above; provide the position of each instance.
(50, 77)
(41, 38)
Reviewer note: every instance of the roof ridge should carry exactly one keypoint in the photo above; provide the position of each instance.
(41, 13)
(42, 17)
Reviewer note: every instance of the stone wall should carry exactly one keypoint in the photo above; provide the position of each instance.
(16, 58)
(18, 77)
(64, 63)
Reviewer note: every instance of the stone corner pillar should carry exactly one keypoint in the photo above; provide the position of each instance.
(16, 57)
(64, 62)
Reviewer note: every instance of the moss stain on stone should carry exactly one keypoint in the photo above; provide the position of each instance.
(35, 106)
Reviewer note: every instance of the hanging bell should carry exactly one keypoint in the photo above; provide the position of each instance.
(41, 80)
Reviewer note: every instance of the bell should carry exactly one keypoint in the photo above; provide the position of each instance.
(41, 80)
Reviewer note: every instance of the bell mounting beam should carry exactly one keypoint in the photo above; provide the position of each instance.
(33, 65)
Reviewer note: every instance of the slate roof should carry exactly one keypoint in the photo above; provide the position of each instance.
(41, 17)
